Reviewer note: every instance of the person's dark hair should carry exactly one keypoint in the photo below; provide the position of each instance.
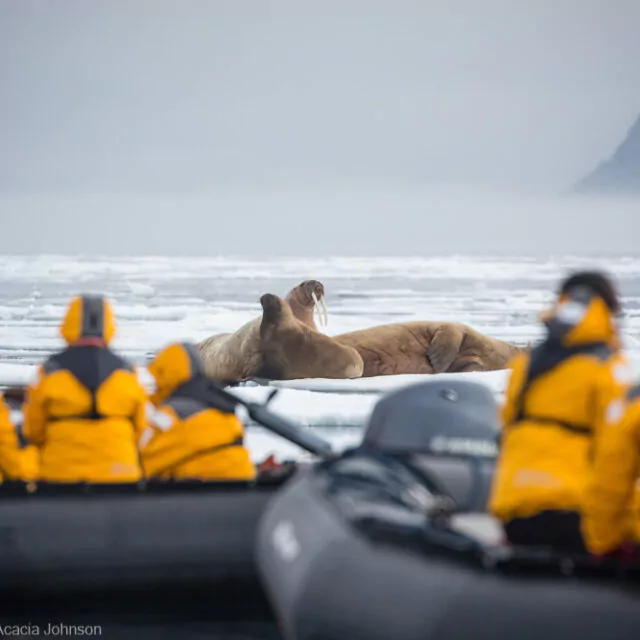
(599, 284)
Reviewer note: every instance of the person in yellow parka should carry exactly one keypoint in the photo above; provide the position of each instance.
(86, 410)
(194, 434)
(16, 462)
(558, 398)
(610, 517)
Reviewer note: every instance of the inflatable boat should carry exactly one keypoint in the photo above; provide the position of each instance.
(392, 540)
(82, 536)
(162, 559)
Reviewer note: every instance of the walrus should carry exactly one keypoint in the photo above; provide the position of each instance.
(427, 347)
(291, 350)
(233, 357)
(306, 298)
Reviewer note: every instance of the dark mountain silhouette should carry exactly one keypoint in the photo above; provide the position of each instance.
(620, 173)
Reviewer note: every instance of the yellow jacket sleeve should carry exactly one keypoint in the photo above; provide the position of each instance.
(35, 415)
(159, 446)
(608, 502)
(169, 441)
(141, 413)
(10, 455)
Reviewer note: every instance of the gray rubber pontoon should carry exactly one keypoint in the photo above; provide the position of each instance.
(94, 540)
(372, 545)
(173, 563)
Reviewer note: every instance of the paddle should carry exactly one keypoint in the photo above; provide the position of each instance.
(281, 426)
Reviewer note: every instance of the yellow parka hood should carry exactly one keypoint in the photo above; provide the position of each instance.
(174, 366)
(88, 317)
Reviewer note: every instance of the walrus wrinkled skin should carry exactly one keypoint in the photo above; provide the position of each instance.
(427, 347)
(292, 350)
(234, 357)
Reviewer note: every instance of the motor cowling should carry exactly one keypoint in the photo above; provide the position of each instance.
(447, 430)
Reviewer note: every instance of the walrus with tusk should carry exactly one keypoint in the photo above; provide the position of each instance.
(306, 298)
(427, 347)
(234, 357)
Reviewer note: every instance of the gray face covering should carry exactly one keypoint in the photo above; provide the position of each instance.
(570, 312)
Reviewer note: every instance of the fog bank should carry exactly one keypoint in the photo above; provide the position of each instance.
(319, 222)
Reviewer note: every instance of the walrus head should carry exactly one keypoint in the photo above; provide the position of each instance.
(306, 298)
(292, 350)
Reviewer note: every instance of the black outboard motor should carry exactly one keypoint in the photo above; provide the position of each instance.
(445, 431)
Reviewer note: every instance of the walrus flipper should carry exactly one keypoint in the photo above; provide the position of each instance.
(444, 348)
(467, 365)
(271, 312)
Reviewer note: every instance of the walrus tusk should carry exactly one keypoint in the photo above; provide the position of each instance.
(317, 304)
(326, 313)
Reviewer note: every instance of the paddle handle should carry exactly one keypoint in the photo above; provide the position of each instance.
(292, 432)
(281, 426)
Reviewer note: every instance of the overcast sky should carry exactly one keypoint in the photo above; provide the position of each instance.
(134, 110)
